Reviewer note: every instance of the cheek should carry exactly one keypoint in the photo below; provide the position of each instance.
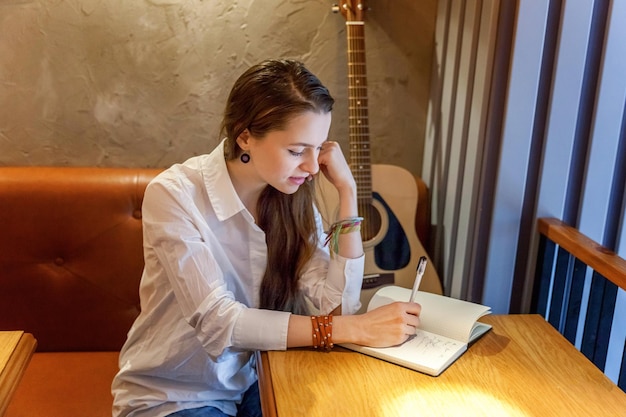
(283, 163)
(277, 166)
(285, 167)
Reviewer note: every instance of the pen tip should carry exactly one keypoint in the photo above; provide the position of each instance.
(421, 265)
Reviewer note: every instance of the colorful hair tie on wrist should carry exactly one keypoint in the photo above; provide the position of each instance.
(352, 224)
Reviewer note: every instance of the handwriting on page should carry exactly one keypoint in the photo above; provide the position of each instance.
(431, 346)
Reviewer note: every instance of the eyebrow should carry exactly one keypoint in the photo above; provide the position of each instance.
(306, 145)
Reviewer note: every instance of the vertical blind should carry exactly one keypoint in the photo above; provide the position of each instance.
(527, 119)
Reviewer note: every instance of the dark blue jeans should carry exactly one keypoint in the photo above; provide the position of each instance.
(250, 407)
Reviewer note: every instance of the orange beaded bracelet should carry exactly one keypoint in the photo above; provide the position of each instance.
(322, 332)
(316, 332)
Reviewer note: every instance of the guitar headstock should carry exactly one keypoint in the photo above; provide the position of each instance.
(352, 10)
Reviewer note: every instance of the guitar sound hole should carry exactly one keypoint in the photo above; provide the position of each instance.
(371, 222)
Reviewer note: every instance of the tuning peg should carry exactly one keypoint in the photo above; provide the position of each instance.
(335, 8)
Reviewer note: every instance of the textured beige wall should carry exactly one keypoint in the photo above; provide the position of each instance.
(143, 82)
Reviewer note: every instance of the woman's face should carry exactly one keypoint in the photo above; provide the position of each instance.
(285, 159)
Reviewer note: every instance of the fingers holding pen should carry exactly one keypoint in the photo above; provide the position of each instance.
(412, 313)
(391, 324)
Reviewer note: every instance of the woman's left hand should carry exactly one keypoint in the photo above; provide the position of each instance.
(334, 166)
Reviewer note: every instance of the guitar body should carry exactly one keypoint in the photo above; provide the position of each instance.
(392, 253)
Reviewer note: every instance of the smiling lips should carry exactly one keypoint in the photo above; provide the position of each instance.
(297, 180)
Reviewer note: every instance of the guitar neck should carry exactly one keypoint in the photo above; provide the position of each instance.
(360, 161)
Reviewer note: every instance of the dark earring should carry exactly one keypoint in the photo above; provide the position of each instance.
(245, 158)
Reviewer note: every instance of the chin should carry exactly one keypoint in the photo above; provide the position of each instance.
(290, 190)
(285, 189)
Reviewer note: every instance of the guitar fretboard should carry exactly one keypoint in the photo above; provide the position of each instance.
(360, 162)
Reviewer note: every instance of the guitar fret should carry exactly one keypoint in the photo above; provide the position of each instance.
(358, 119)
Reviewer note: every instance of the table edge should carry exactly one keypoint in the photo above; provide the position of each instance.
(16, 367)
(266, 389)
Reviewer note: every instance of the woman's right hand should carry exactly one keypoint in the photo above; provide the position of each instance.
(388, 325)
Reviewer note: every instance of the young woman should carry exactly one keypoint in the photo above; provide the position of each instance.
(236, 259)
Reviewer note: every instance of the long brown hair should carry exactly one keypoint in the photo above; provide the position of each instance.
(264, 99)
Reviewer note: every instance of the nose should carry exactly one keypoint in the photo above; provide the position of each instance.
(310, 164)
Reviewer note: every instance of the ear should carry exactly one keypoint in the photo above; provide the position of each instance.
(242, 139)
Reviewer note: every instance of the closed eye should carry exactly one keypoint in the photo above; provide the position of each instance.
(294, 153)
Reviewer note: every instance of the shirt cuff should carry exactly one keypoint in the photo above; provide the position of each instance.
(346, 282)
(258, 329)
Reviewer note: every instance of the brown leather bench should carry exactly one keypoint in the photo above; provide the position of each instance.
(70, 264)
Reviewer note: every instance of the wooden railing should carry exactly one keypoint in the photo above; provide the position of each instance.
(565, 257)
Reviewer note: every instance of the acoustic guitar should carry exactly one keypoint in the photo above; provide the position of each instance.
(387, 195)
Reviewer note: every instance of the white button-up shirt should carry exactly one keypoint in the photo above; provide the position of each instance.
(192, 344)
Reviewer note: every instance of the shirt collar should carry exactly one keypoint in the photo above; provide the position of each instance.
(219, 186)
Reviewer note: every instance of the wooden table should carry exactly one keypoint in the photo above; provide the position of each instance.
(16, 349)
(522, 367)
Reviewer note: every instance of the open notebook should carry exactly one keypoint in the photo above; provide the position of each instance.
(447, 327)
